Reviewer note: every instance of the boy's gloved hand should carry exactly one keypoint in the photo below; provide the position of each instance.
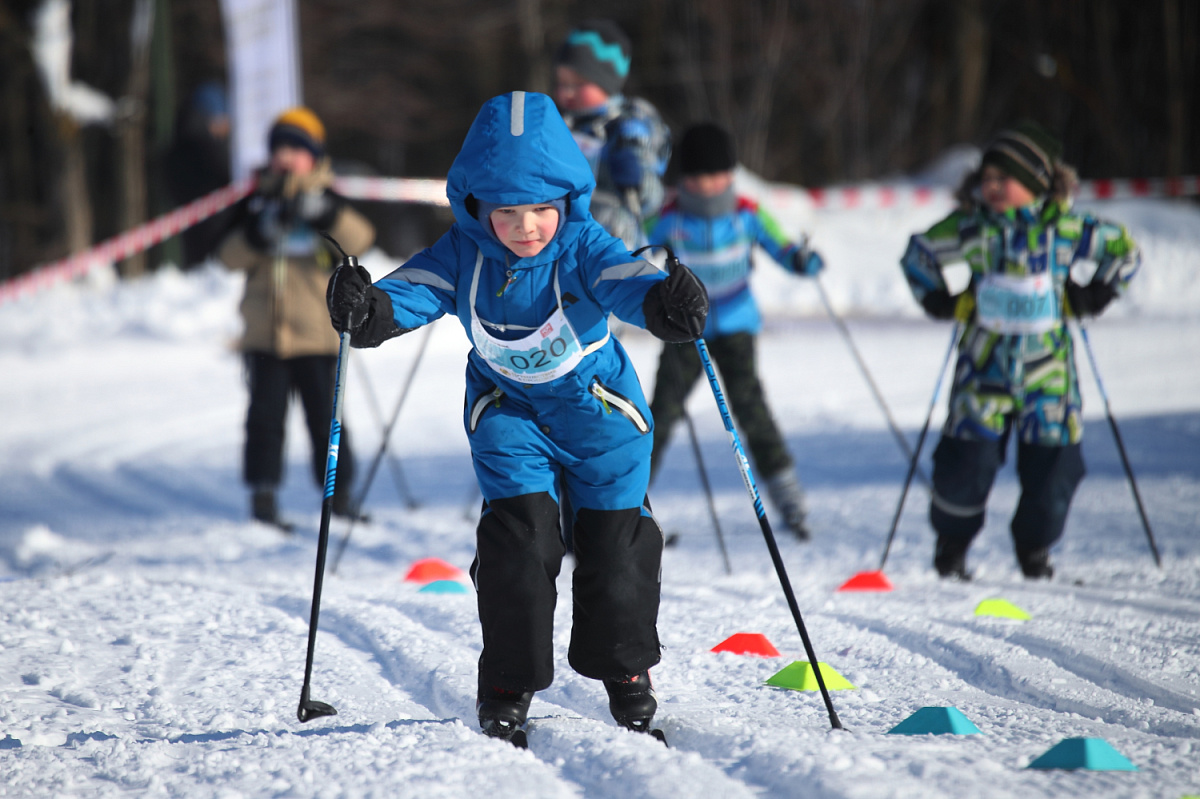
(1090, 299)
(624, 167)
(347, 297)
(359, 308)
(263, 225)
(677, 308)
(939, 304)
(807, 261)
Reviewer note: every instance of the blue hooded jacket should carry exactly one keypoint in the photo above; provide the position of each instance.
(519, 151)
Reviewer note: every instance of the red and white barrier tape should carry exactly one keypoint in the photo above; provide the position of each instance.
(432, 191)
(126, 244)
(1139, 187)
(870, 196)
(429, 191)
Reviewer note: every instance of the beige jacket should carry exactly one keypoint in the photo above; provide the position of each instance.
(284, 305)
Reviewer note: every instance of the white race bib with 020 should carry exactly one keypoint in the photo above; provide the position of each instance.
(546, 354)
(1015, 306)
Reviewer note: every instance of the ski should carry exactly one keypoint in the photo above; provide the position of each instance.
(520, 739)
(517, 737)
(285, 527)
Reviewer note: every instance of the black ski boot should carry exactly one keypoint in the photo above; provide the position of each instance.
(502, 713)
(1035, 564)
(950, 558)
(788, 498)
(265, 509)
(632, 701)
(343, 506)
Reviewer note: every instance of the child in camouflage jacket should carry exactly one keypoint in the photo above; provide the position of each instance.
(1016, 230)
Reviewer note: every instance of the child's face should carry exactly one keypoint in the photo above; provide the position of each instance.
(709, 184)
(296, 160)
(574, 93)
(525, 229)
(1003, 193)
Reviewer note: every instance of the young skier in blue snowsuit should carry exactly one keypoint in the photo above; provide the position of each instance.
(532, 278)
(712, 227)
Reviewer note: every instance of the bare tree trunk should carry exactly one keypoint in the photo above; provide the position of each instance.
(971, 42)
(77, 206)
(688, 53)
(18, 212)
(1177, 134)
(858, 113)
(132, 131)
(1108, 91)
(719, 70)
(533, 39)
(753, 149)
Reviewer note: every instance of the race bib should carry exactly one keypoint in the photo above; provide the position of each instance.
(1012, 305)
(548, 353)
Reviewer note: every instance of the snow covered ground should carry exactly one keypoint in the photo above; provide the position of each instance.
(152, 640)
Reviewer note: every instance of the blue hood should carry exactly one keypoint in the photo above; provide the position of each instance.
(518, 152)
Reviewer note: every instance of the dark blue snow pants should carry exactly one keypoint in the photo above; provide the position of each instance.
(963, 473)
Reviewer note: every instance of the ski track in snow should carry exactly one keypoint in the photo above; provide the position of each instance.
(152, 640)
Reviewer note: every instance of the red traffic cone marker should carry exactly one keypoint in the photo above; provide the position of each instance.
(748, 644)
(429, 569)
(867, 581)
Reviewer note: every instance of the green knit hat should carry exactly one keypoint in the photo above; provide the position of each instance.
(1026, 152)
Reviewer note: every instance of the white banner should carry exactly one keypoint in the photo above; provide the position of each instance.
(261, 43)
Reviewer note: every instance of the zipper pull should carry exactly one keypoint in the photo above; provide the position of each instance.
(511, 278)
(599, 392)
(497, 393)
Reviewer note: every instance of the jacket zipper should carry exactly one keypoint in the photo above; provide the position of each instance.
(481, 404)
(608, 398)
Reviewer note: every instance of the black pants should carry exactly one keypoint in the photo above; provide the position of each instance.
(963, 473)
(615, 586)
(271, 381)
(679, 367)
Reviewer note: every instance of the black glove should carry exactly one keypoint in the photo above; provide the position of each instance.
(357, 307)
(317, 208)
(1091, 299)
(264, 222)
(347, 297)
(807, 262)
(939, 304)
(677, 308)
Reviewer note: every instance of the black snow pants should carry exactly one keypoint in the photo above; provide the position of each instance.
(615, 586)
(679, 367)
(272, 381)
(963, 473)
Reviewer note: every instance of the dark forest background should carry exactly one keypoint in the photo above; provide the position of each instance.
(817, 92)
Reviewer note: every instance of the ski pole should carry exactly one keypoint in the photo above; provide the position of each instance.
(712, 506)
(912, 464)
(862, 366)
(1112, 423)
(310, 708)
(393, 462)
(752, 489)
(769, 536)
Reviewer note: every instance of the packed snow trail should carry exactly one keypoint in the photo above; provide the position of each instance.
(153, 639)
